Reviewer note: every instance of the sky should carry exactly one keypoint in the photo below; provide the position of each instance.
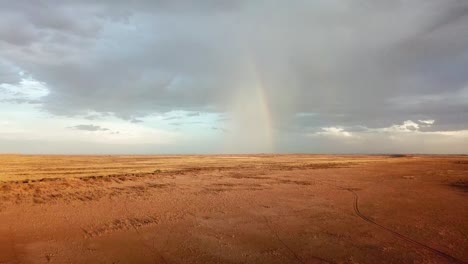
(223, 76)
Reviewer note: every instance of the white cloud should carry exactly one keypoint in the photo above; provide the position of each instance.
(333, 131)
(427, 122)
(407, 126)
(406, 137)
(27, 90)
(24, 122)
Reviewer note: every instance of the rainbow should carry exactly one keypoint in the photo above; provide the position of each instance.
(265, 114)
(251, 126)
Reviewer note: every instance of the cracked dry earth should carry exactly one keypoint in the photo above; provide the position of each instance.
(233, 209)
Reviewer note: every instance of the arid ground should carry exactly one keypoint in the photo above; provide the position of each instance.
(234, 209)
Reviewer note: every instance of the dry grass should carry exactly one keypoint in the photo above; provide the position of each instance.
(34, 167)
(233, 209)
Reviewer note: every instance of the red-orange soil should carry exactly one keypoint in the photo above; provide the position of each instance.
(233, 209)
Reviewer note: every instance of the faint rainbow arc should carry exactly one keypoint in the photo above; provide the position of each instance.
(264, 104)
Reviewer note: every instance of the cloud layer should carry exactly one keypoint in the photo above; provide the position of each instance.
(89, 128)
(322, 66)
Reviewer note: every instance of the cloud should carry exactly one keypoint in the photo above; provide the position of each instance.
(319, 64)
(89, 128)
(172, 118)
(407, 126)
(405, 137)
(23, 91)
(333, 131)
(193, 114)
(9, 74)
(427, 122)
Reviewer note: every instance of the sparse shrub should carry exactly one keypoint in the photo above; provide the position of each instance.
(397, 156)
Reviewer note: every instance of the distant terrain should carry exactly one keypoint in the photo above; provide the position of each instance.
(234, 209)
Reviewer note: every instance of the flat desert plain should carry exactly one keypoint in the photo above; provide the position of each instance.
(234, 209)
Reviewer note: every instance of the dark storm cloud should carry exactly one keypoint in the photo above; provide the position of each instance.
(89, 128)
(458, 12)
(357, 63)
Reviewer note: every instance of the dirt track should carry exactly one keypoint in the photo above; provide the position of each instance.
(233, 209)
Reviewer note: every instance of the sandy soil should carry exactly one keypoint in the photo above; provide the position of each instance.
(233, 209)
